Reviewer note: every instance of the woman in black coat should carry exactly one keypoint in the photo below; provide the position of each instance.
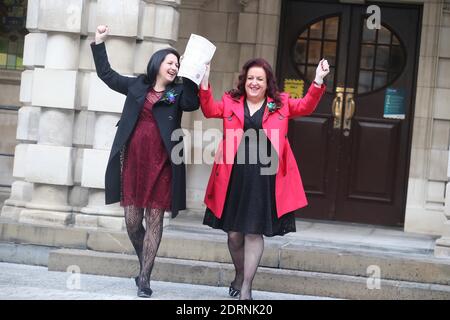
(142, 173)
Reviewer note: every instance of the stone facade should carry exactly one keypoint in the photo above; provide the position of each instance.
(440, 139)
(63, 139)
(9, 104)
(426, 202)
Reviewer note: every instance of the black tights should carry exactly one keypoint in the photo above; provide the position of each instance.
(145, 241)
(246, 251)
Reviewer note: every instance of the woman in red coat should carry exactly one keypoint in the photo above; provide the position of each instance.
(255, 185)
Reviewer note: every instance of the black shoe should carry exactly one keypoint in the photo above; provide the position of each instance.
(136, 280)
(233, 292)
(144, 293)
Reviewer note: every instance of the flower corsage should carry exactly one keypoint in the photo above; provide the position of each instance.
(169, 97)
(272, 107)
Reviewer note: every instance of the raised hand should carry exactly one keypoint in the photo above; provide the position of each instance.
(322, 70)
(205, 80)
(101, 33)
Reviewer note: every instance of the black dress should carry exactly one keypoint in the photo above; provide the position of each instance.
(250, 205)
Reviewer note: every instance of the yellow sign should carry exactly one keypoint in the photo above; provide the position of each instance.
(294, 88)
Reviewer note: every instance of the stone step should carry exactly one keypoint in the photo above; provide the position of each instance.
(51, 236)
(292, 254)
(286, 253)
(24, 254)
(267, 279)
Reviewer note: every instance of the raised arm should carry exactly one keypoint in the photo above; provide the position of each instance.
(110, 77)
(189, 98)
(307, 104)
(210, 108)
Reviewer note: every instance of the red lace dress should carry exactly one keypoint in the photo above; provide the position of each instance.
(146, 172)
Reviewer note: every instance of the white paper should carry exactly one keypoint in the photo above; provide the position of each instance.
(199, 52)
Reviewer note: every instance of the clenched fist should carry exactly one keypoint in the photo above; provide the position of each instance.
(101, 33)
(322, 70)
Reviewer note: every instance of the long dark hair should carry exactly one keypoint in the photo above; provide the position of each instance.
(155, 63)
(272, 88)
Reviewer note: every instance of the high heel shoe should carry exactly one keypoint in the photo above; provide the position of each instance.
(144, 292)
(233, 292)
(136, 280)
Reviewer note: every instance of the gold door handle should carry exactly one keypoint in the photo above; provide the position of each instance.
(336, 107)
(349, 110)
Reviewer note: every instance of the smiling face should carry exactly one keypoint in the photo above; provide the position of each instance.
(168, 69)
(256, 83)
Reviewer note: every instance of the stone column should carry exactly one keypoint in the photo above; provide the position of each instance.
(27, 128)
(442, 247)
(50, 163)
(429, 149)
(49, 92)
(27, 123)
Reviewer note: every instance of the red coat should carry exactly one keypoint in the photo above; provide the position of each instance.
(289, 192)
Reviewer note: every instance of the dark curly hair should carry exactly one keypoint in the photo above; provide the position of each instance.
(272, 88)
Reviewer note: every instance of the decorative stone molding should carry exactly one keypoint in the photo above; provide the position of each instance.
(194, 4)
(10, 76)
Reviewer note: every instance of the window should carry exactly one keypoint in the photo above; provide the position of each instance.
(382, 59)
(317, 41)
(12, 33)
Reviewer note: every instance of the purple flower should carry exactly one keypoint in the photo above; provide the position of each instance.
(169, 97)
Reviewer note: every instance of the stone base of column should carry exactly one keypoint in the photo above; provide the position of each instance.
(97, 221)
(21, 192)
(167, 218)
(96, 205)
(11, 213)
(86, 221)
(98, 215)
(442, 248)
(47, 207)
(111, 210)
(44, 217)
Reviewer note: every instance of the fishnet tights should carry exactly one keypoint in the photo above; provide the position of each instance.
(145, 241)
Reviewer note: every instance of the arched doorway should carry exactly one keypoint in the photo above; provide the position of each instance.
(353, 151)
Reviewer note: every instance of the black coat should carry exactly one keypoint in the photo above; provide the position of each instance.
(167, 116)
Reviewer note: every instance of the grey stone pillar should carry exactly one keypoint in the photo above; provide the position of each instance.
(49, 90)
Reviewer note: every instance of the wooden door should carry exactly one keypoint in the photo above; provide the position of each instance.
(353, 151)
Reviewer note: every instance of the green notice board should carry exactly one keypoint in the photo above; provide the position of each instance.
(394, 104)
